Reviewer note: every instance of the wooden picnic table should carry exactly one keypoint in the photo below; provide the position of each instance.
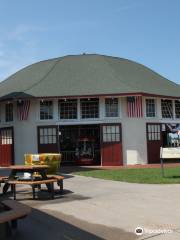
(15, 169)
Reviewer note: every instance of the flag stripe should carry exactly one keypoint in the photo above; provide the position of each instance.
(134, 107)
(23, 110)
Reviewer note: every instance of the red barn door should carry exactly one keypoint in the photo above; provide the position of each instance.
(6, 146)
(154, 142)
(111, 145)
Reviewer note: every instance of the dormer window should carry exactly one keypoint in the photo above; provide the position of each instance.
(166, 108)
(150, 107)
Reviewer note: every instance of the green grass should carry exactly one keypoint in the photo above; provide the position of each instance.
(151, 175)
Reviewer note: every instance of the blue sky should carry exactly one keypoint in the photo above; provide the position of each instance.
(147, 31)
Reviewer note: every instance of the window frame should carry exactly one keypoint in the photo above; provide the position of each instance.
(175, 109)
(167, 118)
(98, 109)
(7, 118)
(118, 108)
(67, 101)
(155, 103)
(47, 135)
(48, 119)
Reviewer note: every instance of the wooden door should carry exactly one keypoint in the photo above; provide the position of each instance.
(6, 146)
(47, 139)
(111, 145)
(154, 142)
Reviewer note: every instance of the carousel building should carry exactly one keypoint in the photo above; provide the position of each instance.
(93, 109)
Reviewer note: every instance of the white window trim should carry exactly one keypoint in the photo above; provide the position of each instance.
(173, 106)
(73, 119)
(119, 108)
(9, 122)
(46, 120)
(90, 119)
(174, 112)
(145, 112)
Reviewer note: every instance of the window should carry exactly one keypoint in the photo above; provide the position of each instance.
(154, 132)
(68, 109)
(177, 108)
(111, 133)
(9, 112)
(46, 110)
(150, 108)
(89, 108)
(111, 107)
(167, 108)
(47, 135)
(6, 136)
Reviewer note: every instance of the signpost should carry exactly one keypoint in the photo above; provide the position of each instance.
(168, 153)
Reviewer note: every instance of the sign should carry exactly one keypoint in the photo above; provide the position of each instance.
(170, 152)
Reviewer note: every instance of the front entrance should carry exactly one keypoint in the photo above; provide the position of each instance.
(154, 142)
(111, 149)
(80, 144)
(161, 135)
(83, 144)
(6, 146)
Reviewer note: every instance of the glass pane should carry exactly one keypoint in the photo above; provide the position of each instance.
(104, 138)
(54, 131)
(113, 137)
(113, 129)
(108, 136)
(117, 138)
(108, 128)
(149, 136)
(50, 131)
(41, 131)
(152, 135)
(45, 140)
(149, 128)
(41, 140)
(54, 139)
(117, 129)
(104, 129)
(158, 128)
(45, 131)
(50, 140)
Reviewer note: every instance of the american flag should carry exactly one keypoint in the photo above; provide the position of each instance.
(134, 107)
(23, 107)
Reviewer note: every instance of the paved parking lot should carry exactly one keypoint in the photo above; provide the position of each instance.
(103, 209)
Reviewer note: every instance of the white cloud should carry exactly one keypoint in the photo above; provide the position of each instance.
(20, 31)
(18, 48)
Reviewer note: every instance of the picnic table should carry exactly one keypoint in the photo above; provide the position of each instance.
(15, 169)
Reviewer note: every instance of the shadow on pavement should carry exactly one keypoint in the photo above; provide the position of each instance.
(39, 225)
(57, 226)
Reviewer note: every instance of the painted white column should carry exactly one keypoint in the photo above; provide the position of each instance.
(158, 108)
(55, 110)
(101, 108)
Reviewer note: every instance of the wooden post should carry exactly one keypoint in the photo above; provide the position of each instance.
(162, 163)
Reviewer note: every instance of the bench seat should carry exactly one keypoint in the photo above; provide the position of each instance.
(34, 184)
(15, 210)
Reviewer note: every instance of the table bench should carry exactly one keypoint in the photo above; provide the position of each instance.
(34, 184)
(3, 179)
(13, 212)
(59, 180)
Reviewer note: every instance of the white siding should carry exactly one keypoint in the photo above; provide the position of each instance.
(133, 130)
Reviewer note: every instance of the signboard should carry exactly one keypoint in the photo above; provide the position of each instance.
(170, 152)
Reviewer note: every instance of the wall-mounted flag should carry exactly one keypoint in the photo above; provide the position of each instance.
(134, 107)
(23, 107)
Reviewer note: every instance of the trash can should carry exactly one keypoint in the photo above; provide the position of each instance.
(53, 160)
